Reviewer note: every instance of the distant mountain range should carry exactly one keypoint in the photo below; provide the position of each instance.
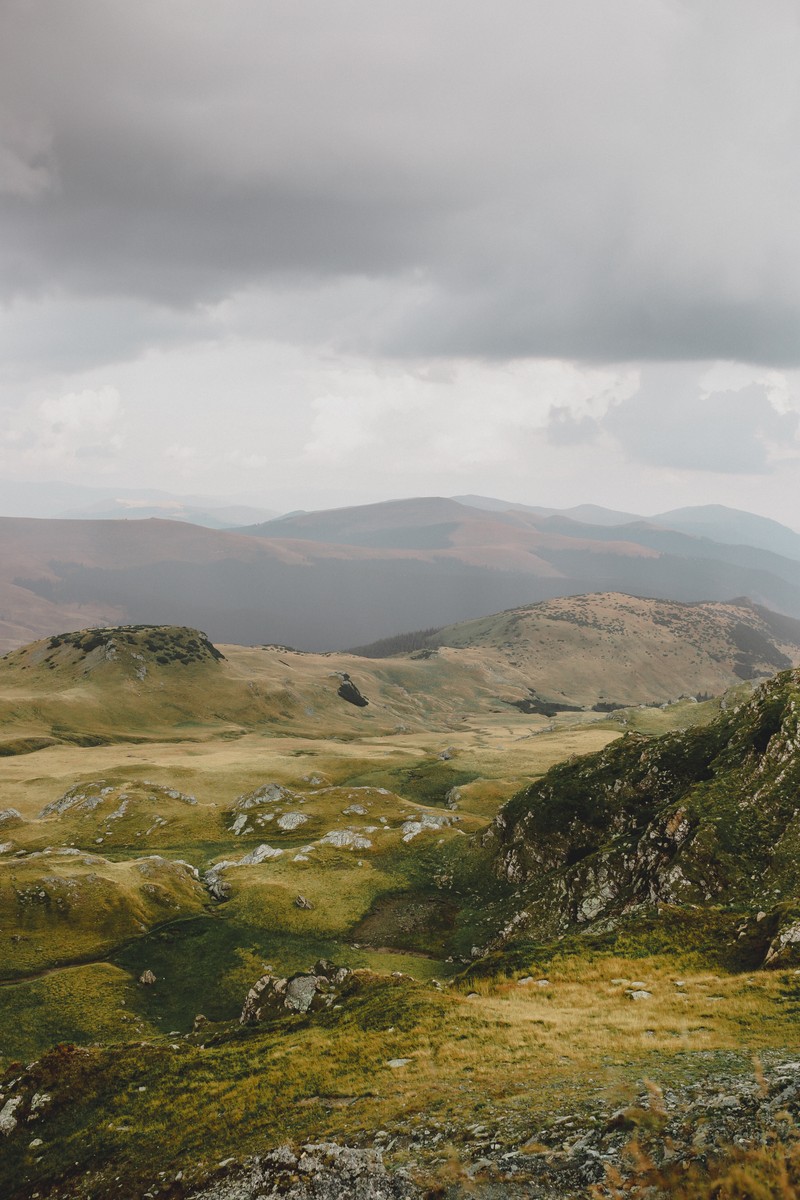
(715, 521)
(75, 501)
(344, 577)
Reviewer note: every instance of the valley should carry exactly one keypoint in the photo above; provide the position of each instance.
(180, 819)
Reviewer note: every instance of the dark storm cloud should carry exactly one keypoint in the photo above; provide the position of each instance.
(587, 180)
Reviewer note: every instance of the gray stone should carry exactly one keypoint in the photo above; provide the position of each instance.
(8, 1122)
(324, 1171)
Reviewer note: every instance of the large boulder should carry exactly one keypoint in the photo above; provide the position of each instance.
(349, 692)
(784, 949)
(307, 991)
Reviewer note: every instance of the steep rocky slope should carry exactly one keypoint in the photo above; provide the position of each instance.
(705, 817)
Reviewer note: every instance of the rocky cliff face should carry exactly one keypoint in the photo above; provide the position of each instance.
(705, 816)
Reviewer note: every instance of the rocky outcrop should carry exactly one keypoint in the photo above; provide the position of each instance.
(707, 815)
(307, 991)
(315, 1172)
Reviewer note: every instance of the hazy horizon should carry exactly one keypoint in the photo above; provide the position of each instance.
(58, 499)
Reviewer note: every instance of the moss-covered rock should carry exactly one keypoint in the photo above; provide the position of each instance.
(709, 815)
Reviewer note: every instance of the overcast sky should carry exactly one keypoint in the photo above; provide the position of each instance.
(321, 252)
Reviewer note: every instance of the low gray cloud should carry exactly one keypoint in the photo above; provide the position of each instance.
(671, 422)
(735, 432)
(607, 181)
(564, 428)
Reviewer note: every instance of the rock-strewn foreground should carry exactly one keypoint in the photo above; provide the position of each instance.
(676, 1131)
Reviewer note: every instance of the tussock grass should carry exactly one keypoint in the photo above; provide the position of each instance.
(515, 1056)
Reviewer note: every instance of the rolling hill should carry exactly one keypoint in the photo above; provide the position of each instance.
(618, 649)
(599, 651)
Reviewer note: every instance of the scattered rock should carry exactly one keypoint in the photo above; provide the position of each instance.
(322, 1171)
(302, 902)
(261, 854)
(426, 821)
(453, 798)
(147, 978)
(346, 839)
(394, 1063)
(291, 820)
(268, 793)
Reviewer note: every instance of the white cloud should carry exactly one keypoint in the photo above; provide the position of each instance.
(452, 416)
(81, 414)
(58, 431)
